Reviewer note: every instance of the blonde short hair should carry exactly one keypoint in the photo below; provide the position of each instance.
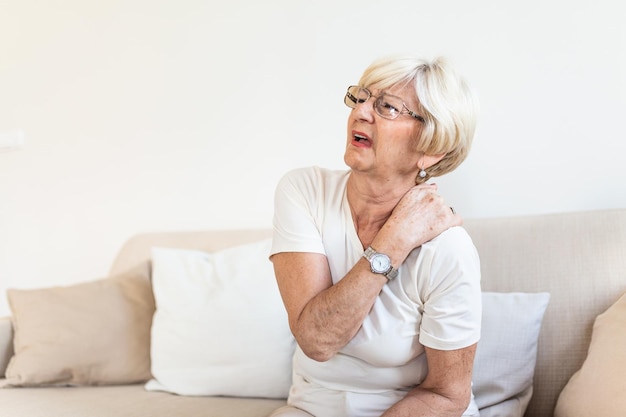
(446, 103)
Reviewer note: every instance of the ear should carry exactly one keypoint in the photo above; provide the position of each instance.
(426, 161)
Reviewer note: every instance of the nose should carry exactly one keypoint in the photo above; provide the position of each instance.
(365, 111)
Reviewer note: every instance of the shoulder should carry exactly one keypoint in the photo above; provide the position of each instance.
(454, 243)
(453, 237)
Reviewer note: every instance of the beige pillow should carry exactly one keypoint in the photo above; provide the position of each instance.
(93, 333)
(598, 388)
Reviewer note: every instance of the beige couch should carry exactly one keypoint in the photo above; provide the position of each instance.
(579, 258)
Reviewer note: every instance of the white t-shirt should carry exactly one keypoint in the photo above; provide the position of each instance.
(435, 301)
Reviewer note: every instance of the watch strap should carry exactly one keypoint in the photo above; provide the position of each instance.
(390, 273)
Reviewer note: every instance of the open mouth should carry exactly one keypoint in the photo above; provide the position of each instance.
(361, 138)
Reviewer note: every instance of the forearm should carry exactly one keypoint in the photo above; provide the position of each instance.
(427, 403)
(332, 318)
(447, 389)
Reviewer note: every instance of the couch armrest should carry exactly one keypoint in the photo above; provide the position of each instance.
(6, 343)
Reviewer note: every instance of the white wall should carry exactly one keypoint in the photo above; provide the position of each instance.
(144, 115)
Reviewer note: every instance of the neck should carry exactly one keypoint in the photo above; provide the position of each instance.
(371, 202)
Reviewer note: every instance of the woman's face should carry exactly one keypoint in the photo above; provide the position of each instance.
(383, 147)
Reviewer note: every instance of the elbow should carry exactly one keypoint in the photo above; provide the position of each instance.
(321, 357)
(461, 407)
(314, 348)
(459, 404)
(317, 353)
(313, 344)
(453, 404)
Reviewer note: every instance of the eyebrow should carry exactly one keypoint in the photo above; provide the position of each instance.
(391, 95)
(381, 92)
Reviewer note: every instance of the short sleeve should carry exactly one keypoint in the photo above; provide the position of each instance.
(296, 201)
(450, 292)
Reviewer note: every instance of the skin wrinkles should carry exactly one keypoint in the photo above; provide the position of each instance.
(394, 216)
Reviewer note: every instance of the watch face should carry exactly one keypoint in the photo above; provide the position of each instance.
(380, 263)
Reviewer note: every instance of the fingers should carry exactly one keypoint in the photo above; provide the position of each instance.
(439, 208)
(433, 188)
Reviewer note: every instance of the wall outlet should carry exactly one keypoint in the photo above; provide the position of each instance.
(11, 140)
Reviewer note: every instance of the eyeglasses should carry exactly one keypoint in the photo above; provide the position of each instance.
(386, 106)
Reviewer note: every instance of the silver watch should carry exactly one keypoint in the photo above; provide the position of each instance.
(380, 263)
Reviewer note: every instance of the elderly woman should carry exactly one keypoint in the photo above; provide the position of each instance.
(380, 282)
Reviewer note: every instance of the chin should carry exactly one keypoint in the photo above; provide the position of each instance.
(348, 160)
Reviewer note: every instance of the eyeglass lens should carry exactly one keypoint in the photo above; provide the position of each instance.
(386, 106)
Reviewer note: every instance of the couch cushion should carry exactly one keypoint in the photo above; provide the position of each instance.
(125, 401)
(598, 388)
(220, 327)
(507, 351)
(90, 333)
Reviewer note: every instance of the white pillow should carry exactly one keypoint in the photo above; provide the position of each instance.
(220, 327)
(504, 365)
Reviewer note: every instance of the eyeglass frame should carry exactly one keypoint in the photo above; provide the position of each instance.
(358, 101)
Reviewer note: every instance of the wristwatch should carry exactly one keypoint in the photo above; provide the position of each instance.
(380, 263)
